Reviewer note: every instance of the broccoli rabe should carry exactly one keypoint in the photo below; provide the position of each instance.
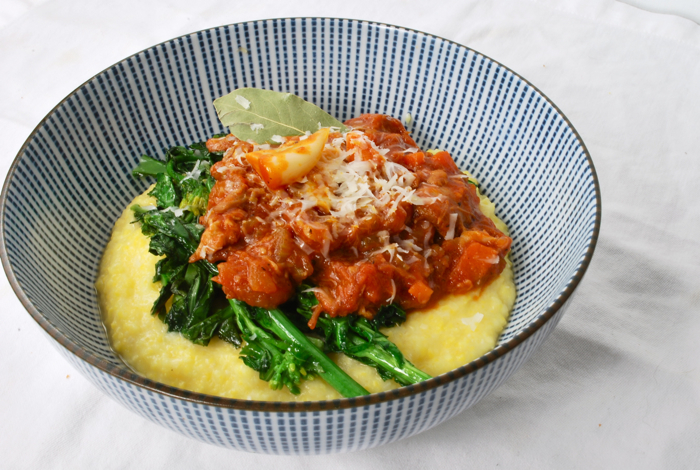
(188, 284)
(174, 232)
(360, 338)
(283, 354)
(183, 181)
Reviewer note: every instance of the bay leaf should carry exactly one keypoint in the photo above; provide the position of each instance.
(258, 115)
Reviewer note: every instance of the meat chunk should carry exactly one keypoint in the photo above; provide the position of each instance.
(266, 273)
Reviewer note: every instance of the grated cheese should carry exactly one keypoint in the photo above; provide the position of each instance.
(347, 185)
(473, 321)
(393, 293)
(364, 185)
(196, 172)
(243, 102)
(451, 231)
(175, 210)
(391, 249)
(409, 245)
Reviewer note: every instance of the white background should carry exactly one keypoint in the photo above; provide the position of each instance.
(617, 385)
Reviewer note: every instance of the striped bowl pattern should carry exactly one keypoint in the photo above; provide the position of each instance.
(71, 180)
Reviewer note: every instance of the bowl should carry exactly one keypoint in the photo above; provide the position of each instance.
(71, 180)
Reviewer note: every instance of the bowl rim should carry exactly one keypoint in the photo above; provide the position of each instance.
(124, 373)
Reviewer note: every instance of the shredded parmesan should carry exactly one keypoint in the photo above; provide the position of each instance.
(409, 245)
(451, 231)
(393, 249)
(175, 210)
(304, 247)
(426, 240)
(196, 172)
(256, 127)
(473, 321)
(243, 102)
(372, 186)
(326, 247)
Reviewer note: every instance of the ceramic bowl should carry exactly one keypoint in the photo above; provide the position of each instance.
(71, 180)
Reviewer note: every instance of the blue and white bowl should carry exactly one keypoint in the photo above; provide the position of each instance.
(71, 180)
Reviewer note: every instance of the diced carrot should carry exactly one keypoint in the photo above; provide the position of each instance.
(477, 264)
(414, 160)
(421, 292)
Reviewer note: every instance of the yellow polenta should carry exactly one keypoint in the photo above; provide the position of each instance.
(453, 333)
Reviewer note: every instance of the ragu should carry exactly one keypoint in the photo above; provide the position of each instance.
(371, 221)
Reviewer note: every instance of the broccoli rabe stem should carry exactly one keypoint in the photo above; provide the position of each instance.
(297, 344)
(271, 357)
(403, 372)
(361, 340)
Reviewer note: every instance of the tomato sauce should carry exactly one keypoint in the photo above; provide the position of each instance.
(267, 242)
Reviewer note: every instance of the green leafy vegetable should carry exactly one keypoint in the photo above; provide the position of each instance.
(258, 115)
(361, 339)
(222, 321)
(189, 284)
(283, 354)
(148, 166)
(182, 191)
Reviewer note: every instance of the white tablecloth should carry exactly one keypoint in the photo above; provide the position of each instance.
(617, 385)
